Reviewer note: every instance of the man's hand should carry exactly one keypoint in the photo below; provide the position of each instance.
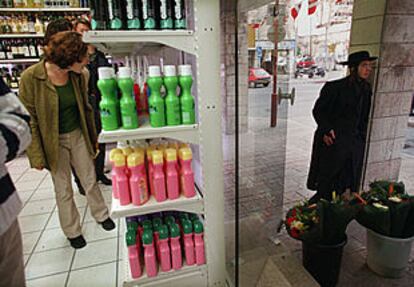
(329, 139)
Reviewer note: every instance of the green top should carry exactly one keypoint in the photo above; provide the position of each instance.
(68, 108)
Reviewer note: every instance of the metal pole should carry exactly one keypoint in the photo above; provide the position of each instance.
(273, 111)
(326, 33)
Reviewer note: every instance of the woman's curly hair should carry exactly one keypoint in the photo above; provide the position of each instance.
(65, 49)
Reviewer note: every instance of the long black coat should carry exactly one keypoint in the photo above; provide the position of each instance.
(343, 106)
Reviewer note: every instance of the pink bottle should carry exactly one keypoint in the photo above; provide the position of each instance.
(176, 255)
(112, 154)
(186, 172)
(165, 256)
(122, 181)
(171, 173)
(188, 242)
(199, 243)
(150, 168)
(149, 254)
(138, 181)
(156, 223)
(133, 254)
(158, 176)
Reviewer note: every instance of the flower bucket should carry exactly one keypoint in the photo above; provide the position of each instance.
(388, 256)
(323, 262)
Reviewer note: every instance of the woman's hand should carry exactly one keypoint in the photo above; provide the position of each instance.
(329, 139)
(40, 167)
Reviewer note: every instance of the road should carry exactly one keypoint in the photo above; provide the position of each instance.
(299, 115)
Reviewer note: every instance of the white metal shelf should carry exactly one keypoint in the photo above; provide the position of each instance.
(142, 42)
(38, 10)
(22, 35)
(19, 61)
(184, 133)
(193, 205)
(187, 276)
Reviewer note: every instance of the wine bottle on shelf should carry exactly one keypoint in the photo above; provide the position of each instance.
(166, 14)
(31, 24)
(99, 14)
(37, 3)
(32, 49)
(3, 50)
(180, 21)
(134, 14)
(150, 14)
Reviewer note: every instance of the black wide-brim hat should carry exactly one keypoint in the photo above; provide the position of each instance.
(358, 57)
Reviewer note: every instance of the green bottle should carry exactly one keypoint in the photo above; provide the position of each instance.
(166, 14)
(128, 106)
(155, 101)
(185, 80)
(172, 103)
(133, 12)
(108, 105)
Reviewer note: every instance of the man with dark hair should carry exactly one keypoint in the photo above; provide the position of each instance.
(96, 59)
(56, 26)
(342, 113)
(14, 139)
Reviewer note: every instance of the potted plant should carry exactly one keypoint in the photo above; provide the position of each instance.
(321, 227)
(388, 214)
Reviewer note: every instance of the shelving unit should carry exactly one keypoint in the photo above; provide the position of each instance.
(203, 43)
(4, 36)
(43, 10)
(141, 42)
(191, 276)
(184, 133)
(193, 205)
(19, 61)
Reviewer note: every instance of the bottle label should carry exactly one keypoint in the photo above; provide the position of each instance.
(130, 9)
(32, 51)
(26, 51)
(145, 9)
(143, 194)
(9, 55)
(14, 51)
(2, 55)
(110, 11)
(186, 117)
(178, 14)
(163, 9)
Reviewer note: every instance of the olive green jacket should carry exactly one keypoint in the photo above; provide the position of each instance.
(41, 100)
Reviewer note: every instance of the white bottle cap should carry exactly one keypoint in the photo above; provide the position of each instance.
(122, 144)
(184, 70)
(124, 72)
(154, 71)
(105, 73)
(170, 71)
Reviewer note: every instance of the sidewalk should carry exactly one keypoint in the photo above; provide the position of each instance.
(354, 270)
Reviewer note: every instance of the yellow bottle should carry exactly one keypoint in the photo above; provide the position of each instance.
(112, 155)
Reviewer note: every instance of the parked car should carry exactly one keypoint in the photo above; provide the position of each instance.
(259, 76)
(307, 66)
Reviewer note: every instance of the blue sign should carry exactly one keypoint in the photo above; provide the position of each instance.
(259, 52)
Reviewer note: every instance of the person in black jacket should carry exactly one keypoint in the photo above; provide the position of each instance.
(96, 59)
(341, 113)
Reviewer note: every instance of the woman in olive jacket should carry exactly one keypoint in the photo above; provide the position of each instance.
(54, 92)
(341, 112)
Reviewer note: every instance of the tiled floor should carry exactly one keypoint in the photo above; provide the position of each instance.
(49, 259)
